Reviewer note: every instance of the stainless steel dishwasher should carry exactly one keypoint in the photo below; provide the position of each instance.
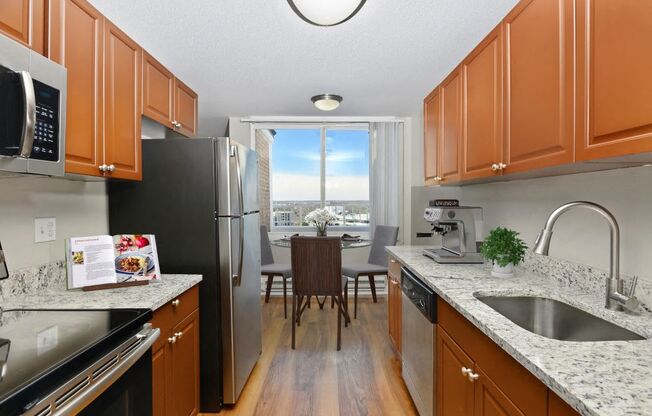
(419, 316)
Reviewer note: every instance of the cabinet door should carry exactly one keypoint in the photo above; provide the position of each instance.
(185, 367)
(394, 311)
(489, 400)
(451, 123)
(482, 135)
(24, 21)
(76, 43)
(454, 389)
(122, 98)
(558, 407)
(185, 109)
(431, 117)
(160, 388)
(539, 85)
(614, 99)
(158, 91)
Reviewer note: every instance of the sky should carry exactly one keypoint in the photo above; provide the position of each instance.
(296, 165)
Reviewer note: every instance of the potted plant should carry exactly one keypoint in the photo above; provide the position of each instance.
(320, 218)
(505, 249)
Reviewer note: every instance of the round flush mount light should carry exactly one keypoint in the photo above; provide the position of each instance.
(326, 12)
(326, 102)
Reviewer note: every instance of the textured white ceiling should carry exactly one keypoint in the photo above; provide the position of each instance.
(256, 57)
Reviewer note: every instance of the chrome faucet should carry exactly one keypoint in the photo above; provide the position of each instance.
(615, 299)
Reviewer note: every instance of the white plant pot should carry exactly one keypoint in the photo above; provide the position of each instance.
(500, 271)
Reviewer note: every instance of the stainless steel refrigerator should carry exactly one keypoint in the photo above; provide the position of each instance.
(200, 198)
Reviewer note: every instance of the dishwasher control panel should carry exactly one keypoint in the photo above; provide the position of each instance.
(423, 297)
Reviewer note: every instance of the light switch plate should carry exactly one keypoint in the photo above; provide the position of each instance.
(45, 229)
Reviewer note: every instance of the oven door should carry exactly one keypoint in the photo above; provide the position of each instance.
(129, 395)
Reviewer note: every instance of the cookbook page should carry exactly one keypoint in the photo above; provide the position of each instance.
(136, 257)
(90, 261)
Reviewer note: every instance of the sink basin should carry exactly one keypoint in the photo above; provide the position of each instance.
(557, 320)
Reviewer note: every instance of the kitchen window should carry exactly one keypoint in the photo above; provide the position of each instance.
(310, 167)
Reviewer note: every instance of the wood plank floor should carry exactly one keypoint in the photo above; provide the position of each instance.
(364, 378)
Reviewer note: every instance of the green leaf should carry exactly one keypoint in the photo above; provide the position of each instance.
(503, 246)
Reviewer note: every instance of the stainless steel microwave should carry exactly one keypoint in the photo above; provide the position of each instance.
(32, 111)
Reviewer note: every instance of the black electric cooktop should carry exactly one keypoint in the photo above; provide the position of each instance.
(41, 349)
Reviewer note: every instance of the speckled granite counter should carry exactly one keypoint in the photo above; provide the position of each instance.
(595, 378)
(151, 296)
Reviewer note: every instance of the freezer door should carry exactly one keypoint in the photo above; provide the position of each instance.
(237, 178)
(239, 238)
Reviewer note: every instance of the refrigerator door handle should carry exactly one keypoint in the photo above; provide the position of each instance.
(237, 279)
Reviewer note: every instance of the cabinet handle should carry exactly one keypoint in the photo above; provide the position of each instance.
(495, 167)
(110, 168)
(176, 302)
(466, 371)
(437, 178)
(393, 261)
(502, 166)
(103, 168)
(473, 377)
(178, 334)
(172, 340)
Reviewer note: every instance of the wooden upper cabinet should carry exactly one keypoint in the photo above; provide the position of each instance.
(122, 122)
(539, 84)
(455, 396)
(185, 109)
(431, 118)
(490, 400)
(482, 134)
(614, 99)
(24, 21)
(76, 33)
(158, 91)
(451, 123)
(185, 367)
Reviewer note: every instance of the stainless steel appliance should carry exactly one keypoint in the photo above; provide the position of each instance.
(418, 336)
(200, 198)
(32, 111)
(460, 229)
(69, 362)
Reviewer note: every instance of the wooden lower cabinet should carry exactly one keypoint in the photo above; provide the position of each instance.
(477, 377)
(394, 310)
(175, 357)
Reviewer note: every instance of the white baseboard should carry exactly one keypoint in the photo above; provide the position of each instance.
(363, 286)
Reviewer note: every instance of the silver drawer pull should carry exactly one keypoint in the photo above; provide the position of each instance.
(176, 302)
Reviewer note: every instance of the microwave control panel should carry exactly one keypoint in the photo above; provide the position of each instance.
(46, 131)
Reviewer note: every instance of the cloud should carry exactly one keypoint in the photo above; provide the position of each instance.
(332, 156)
(291, 187)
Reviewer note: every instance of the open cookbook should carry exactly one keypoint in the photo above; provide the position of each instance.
(105, 260)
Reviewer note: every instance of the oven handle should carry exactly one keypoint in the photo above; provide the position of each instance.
(29, 122)
(86, 396)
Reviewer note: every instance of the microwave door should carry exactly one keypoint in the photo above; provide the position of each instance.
(13, 110)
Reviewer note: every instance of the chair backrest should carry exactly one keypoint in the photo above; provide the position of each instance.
(316, 266)
(384, 235)
(266, 256)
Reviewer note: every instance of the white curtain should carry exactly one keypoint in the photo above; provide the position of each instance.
(386, 178)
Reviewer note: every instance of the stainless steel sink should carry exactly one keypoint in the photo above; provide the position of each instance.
(557, 320)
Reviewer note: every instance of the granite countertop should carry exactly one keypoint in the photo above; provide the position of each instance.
(595, 378)
(151, 296)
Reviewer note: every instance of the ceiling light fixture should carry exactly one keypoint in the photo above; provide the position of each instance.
(326, 13)
(326, 102)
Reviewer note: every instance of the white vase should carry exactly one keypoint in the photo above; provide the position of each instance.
(502, 271)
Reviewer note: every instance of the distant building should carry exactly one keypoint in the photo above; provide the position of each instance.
(283, 218)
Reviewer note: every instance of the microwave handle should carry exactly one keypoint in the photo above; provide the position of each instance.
(29, 122)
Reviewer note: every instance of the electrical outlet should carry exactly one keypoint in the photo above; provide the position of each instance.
(45, 229)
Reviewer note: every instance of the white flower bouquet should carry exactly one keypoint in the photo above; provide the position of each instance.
(320, 218)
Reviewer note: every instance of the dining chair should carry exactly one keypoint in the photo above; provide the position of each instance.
(317, 271)
(270, 269)
(376, 265)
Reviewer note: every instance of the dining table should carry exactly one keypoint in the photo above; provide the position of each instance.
(347, 243)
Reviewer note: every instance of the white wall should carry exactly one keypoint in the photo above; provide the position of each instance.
(239, 131)
(79, 207)
(580, 236)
